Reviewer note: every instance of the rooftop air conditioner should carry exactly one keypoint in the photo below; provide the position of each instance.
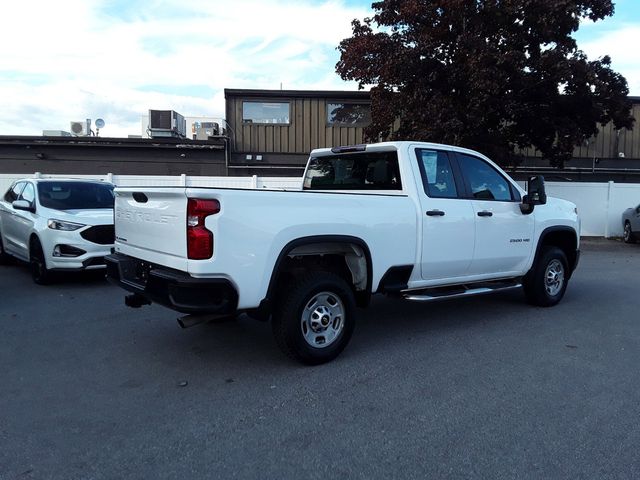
(163, 123)
(80, 129)
(206, 130)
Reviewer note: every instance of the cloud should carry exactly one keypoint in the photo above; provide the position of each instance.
(619, 44)
(116, 59)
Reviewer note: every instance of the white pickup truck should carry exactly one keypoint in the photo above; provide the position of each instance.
(421, 221)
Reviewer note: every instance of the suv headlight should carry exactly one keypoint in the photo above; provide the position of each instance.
(62, 225)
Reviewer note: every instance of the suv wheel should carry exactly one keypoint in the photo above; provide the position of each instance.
(546, 282)
(315, 318)
(39, 272)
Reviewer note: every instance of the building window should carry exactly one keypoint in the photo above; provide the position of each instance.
(349, 114)
(265, 112)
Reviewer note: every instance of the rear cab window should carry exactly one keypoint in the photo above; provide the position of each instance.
(354, 171)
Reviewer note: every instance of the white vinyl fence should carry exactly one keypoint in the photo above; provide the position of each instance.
(600, 205)
(289, 183)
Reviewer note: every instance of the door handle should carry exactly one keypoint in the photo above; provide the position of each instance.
(435, 213)
(485, 213)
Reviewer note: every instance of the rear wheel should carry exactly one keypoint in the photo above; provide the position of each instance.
(39, 272)
(628, 233)
(546, 282)
(315, 318)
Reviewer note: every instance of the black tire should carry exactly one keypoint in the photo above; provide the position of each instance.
(39, 272)
(628, 236)
(4, 256)
(315, 306)
(547, 280)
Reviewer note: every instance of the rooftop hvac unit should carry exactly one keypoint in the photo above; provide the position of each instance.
(206, 130)
(80, 129)
(167, 123)
(55, 133)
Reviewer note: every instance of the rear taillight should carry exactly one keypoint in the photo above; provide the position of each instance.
(199, 239)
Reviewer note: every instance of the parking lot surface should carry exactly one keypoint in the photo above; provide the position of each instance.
(487, 387)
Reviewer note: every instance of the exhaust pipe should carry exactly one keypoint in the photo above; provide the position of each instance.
(135, 300)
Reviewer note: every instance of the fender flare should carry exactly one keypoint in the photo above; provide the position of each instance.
(265, 303)
(558, 229)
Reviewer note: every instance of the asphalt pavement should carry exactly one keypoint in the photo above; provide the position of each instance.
(486, 387)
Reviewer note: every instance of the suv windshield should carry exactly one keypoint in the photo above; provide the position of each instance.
(354, 171)
(75, 195)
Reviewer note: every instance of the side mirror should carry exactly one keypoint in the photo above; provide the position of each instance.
(536, 194)
(23, 205)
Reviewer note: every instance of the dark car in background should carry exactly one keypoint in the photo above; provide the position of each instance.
(631, 224)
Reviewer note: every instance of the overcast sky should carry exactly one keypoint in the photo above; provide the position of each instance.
(116, 59)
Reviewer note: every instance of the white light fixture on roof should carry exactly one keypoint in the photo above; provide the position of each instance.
(99, 124)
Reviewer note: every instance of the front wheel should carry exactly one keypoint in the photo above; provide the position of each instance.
(315, 318)
(546, 282)
(39, 271)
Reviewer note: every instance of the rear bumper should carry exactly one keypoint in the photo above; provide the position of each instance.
(172, 288)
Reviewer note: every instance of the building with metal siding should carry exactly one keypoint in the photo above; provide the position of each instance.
(609, 143)
(302, 120)
(261, 146)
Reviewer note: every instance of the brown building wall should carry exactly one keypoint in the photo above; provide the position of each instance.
(608, 143)
(307, 128)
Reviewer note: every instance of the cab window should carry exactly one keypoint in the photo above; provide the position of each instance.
(437, 174)
(14, 192)
(483, 181)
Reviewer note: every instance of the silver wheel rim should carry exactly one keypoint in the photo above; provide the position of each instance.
(554, 277)
(627, 231)
(322, 319)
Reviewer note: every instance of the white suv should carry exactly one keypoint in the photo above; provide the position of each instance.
(57, 225)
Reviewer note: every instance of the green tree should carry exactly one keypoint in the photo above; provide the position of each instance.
(493, 75)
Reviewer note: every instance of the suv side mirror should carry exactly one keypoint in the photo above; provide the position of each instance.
(536, 194)
(23, 205)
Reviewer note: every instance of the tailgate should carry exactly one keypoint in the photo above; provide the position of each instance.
(150, 224)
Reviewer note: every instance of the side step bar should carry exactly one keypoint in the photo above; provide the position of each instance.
(457, 291)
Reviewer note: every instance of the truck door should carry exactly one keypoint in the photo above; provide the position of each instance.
(448, 224)
(504, 235)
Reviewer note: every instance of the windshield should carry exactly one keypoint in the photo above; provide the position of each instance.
(354, 171)
(75, 195)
